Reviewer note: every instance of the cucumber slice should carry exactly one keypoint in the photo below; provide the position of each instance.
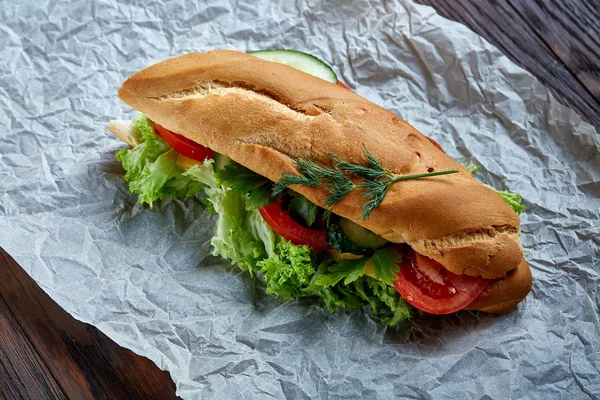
(299, 60)
(339, 241)
(361, 236)
(221, 161)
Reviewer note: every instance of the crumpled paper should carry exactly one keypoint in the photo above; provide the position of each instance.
(146, 278)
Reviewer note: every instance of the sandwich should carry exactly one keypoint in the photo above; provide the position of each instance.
(319, 192)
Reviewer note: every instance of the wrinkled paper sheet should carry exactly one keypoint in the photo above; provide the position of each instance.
(146, 278)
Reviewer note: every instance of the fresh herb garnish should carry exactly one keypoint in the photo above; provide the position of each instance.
(385, 267)
(383, 261)
(349, 270)
(375, 180)
(305, 208)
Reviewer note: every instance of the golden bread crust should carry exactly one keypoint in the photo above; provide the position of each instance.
(504, 294)
(264, 114)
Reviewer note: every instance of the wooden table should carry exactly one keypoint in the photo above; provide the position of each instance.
(45, 353)
(558, 41)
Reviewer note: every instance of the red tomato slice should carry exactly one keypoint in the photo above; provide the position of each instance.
(283, 224)
(427, 285)
(342, 84)
(183, 145)
(436, 144)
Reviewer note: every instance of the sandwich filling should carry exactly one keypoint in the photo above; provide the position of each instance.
(297, 248)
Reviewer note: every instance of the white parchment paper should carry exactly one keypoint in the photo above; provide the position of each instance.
(145, 277)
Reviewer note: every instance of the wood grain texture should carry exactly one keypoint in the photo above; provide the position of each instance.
(555, 40)
(572, 30)
(64, 353)
(23, 374)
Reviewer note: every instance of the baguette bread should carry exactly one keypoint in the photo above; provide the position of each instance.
(264, 115)
(504, 294)
(499, 296)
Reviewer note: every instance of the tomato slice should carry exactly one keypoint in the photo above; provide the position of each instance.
(342, 84)
(436, 144)
(183, 145)
(283, 224)
(427, 285)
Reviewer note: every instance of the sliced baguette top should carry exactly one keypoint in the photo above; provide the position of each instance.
(263, 115)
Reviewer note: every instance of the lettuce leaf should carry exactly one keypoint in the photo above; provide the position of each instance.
(243, 181)
(290, 273)
(383, 263)
(288, 270)
(238, 235)
(386, 304)
(240, 179)
(204, 174)
(151, 167)
(513, 199)
(471, 167)
(151, 146)
(382, 301)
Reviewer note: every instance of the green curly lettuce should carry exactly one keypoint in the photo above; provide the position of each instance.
(513, 199)
(243, 181)
(235, 235)
(151, 167)
(288, 270)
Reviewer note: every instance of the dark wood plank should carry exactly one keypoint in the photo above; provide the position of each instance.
(515, 32)
(572, 30)
(83, 361)
(23, 374)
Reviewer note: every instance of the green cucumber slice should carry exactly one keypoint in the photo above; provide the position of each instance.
(361, 236)
(339, 241)
(299, 60)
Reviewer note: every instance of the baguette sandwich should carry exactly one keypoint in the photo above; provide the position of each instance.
(318, 191)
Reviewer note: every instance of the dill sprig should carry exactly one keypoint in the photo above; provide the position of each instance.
(375, 180)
